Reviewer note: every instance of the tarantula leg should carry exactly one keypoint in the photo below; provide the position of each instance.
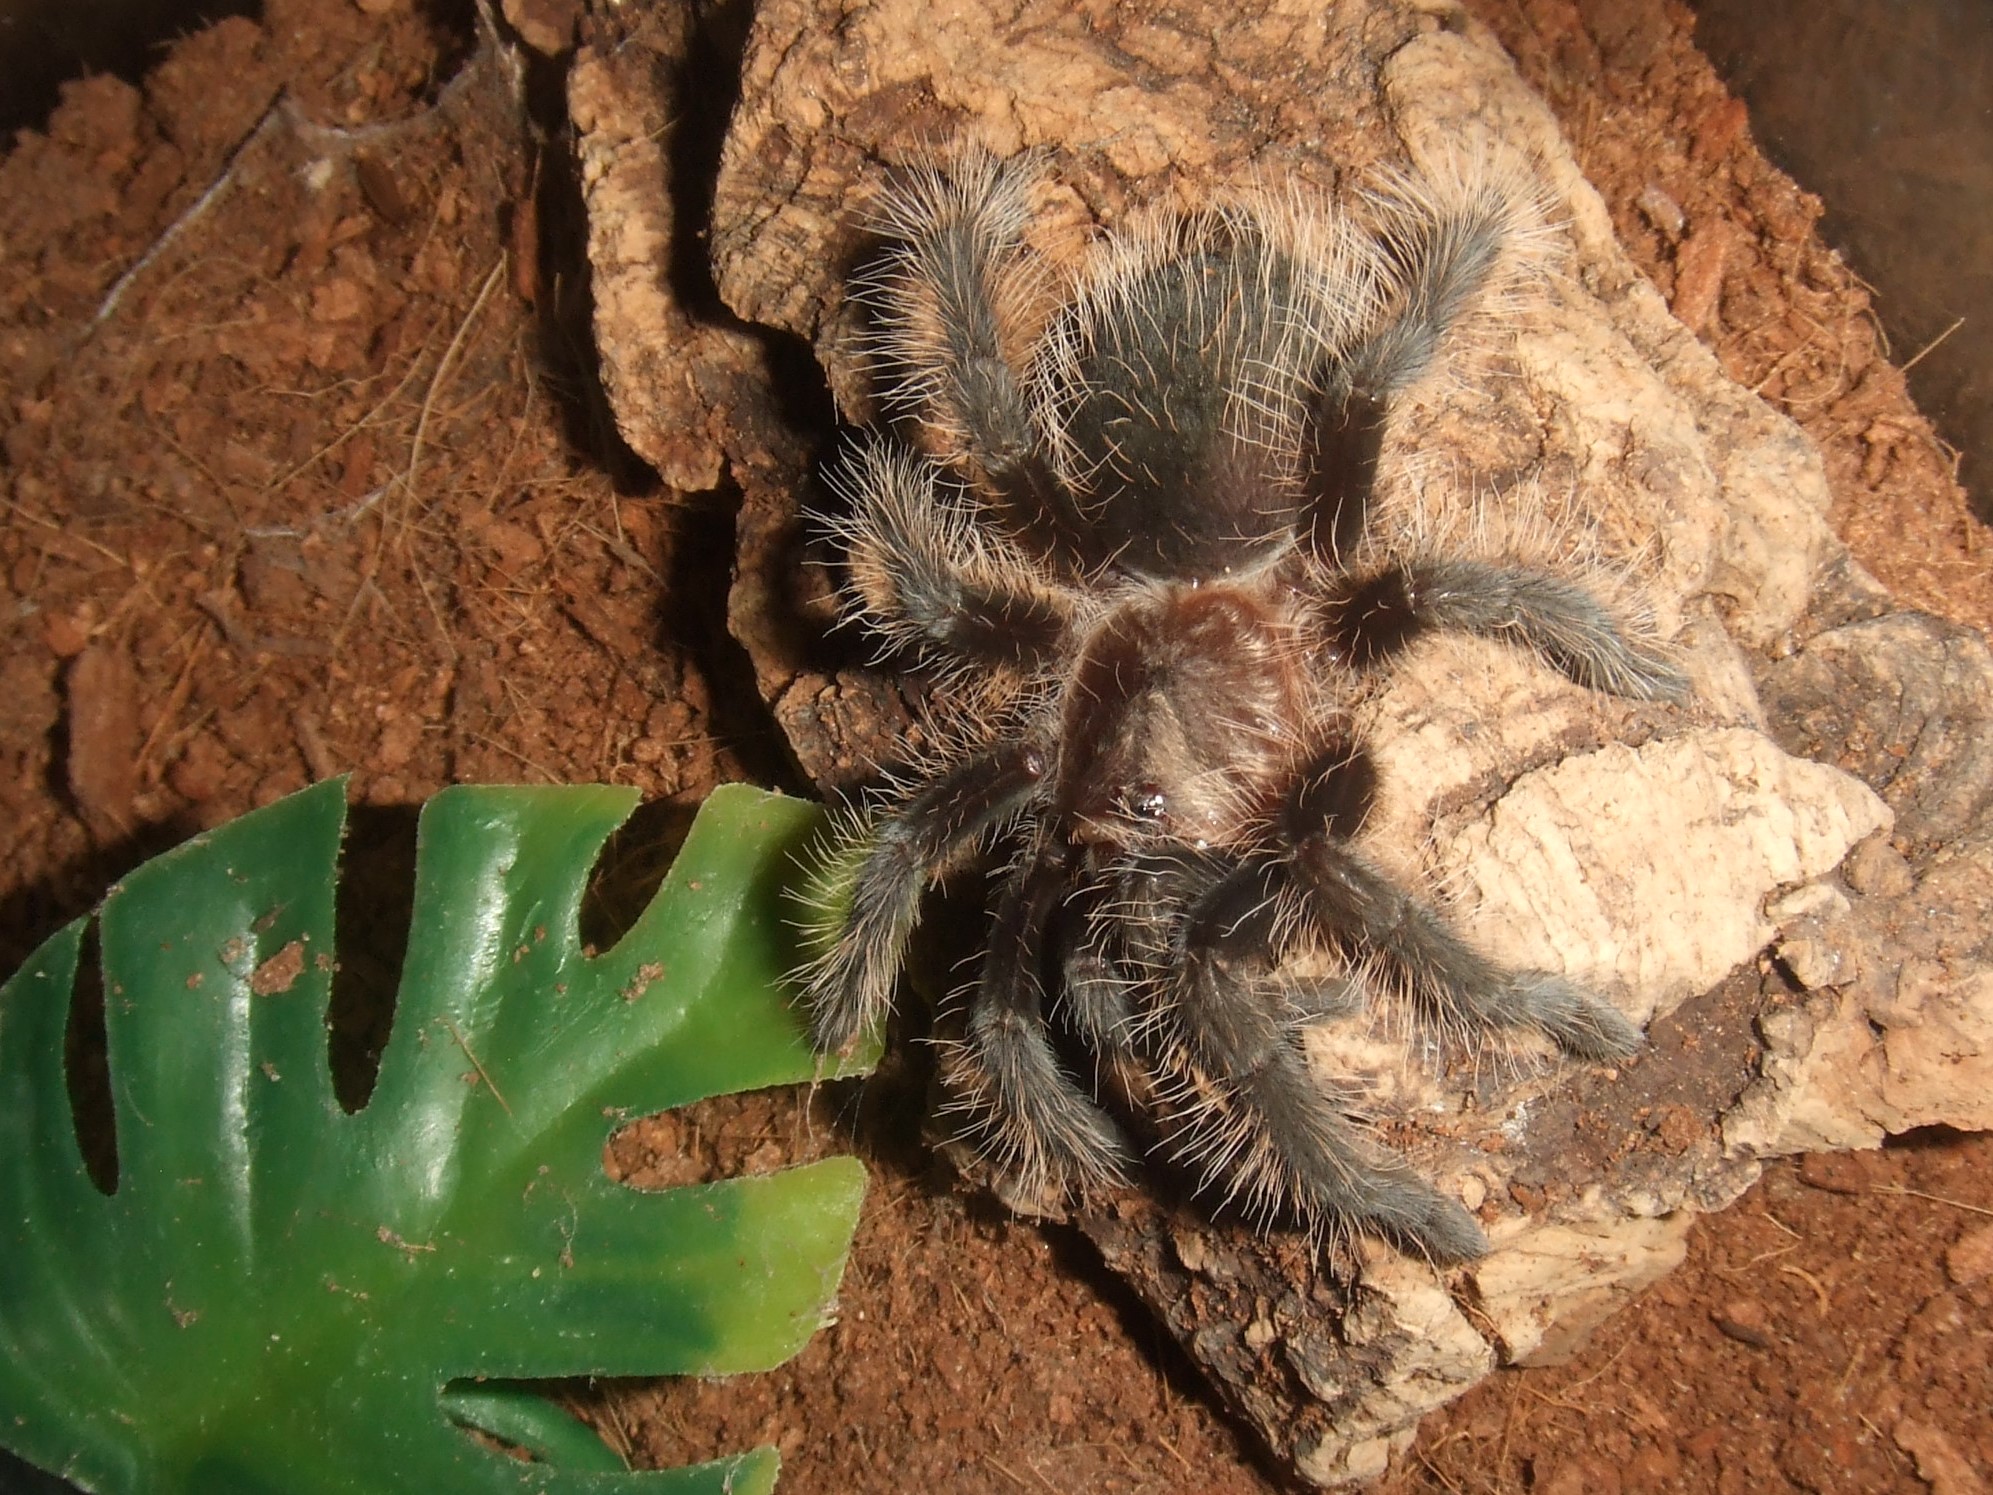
(1440, 246)
(1311, 1001)
(1047, 1129)
(1339, 474)
(1560, 621)
(1445, 242)
(923, 572)
(1098, 996)
(870, 881)
(1041, 510)
(1343, 895)
(953, 293)
(1257, 1117)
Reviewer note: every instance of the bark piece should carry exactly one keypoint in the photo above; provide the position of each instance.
(104, 740)
(1905, 703)
(671, 372)
(1549, 873)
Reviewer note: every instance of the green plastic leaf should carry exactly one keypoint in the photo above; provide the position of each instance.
(283, 1297)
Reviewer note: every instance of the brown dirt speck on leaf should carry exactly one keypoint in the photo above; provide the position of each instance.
(277, 973)
(300, 500)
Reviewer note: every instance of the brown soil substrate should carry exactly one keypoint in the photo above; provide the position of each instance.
(300, 478)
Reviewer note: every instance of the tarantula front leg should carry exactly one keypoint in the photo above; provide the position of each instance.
(1341, 894)
(870, 881)
(1440, 244)
(1558, 620)
(925, 573)
(1254, 1116)
(1044, 1127)
(954, 294)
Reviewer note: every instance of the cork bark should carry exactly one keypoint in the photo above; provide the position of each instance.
(1784, 878)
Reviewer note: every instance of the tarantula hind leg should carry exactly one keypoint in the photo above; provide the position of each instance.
(1348, 899)
(1036, 1123)
(1256, 1118)
(1567, 627)
(864, 893)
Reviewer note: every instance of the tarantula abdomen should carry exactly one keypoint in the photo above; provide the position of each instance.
(1147, 549)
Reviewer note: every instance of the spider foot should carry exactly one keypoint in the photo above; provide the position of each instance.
(1581, 1023)
(1027, 1122)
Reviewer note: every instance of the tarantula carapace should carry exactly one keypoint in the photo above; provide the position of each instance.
(1141, 548)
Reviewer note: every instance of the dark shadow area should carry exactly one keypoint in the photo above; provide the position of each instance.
(454, 25)
(630, 870)
(1882, 110)
(19, 1477)
(566, 302)
(86, 1066)
(34, 912)
(794, 395)
(693, 609)
(374, 912)
(1925, 1139)
(46, 43)
(693, 613)
(704, 88)
(707, 91)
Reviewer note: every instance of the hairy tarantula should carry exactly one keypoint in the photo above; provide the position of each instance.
(1142, 547)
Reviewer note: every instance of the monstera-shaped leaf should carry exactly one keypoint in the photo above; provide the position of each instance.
(281, 1296)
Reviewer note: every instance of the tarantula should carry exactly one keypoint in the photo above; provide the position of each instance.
(1140, 546)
